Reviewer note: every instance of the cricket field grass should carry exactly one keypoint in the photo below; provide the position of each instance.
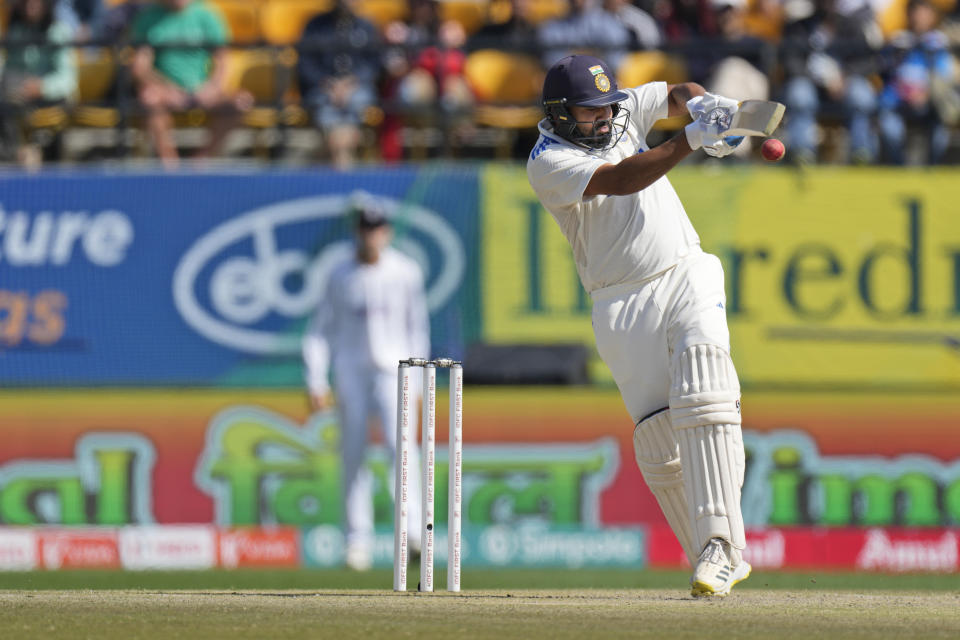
(494, 604)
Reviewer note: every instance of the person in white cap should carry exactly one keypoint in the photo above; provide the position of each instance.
(658, 299)
(373, 314)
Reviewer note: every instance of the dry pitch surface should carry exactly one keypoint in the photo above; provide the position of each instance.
(476, 614)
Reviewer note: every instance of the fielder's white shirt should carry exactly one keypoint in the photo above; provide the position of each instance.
(371, 317)
(615, 239)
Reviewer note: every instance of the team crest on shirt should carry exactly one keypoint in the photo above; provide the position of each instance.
(603, 82)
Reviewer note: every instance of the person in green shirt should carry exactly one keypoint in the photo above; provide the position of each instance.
(180, 64)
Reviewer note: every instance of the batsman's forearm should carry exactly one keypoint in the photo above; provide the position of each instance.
(679, 94)
(638, 172)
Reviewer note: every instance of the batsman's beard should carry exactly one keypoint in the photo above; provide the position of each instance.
(616, 127)
(602, 138)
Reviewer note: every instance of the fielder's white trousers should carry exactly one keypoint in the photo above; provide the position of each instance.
(640, 328)
(362, 394)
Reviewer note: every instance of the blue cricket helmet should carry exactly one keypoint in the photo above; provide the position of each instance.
(584, 81)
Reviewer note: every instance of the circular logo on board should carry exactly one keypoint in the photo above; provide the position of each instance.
(230, 285)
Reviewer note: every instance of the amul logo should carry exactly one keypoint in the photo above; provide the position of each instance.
(883, 550)
(241, 283)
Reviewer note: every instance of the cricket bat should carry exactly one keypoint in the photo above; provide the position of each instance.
(756, 118)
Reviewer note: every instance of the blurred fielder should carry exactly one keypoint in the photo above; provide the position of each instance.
(373, 314)
(658, 299)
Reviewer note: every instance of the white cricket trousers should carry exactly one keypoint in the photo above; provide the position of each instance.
(362, 394)
(641, 327)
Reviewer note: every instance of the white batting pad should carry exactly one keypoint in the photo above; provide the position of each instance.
(658, 456)
(705, 412)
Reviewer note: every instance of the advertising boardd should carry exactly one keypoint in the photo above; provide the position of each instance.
(835, 279)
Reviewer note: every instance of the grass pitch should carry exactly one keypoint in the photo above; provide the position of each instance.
(334, 604)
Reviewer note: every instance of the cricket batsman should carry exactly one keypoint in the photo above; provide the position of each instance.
(658, 298)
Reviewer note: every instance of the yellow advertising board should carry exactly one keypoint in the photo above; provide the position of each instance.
(836, 277)
(531, 291)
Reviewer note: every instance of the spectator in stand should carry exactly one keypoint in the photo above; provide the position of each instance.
(33, 75)
(175, 70)
(764, 19)
(643, 29)
(82, 16)
(684, 20)
(338, 68)
(918, 87)
(114, 23)
(516, 33)
(828, 58)
(951, 23)
(425, 69)
(588, 27)
(737, 64)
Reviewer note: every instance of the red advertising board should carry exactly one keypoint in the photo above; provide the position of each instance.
(889, 550)
(79, 549)
(835, 465)
(252, 547)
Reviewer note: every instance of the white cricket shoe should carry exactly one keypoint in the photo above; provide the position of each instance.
(359, 557)
(713, 575)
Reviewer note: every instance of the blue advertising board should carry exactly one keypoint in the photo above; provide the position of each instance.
(207, 279)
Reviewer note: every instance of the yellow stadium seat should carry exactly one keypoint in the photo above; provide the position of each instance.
(242, 19)
(507, 86)
(265, 75)
(381, 12)
(253, 70)
(282, 21)
(471, 14)
(499, 11)
(96, 70)
(764, 19)
(47, 118)
(542, 10)
(642, 67)
(892, 17)
(502, 77)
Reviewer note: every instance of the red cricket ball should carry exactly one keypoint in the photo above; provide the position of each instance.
(772, 150)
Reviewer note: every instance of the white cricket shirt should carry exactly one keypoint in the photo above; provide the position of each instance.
(615, 239)
(371, 316)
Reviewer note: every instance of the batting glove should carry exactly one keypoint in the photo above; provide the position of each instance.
(723, 147)
(711, 117)
(713, 109)
(700, 134)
